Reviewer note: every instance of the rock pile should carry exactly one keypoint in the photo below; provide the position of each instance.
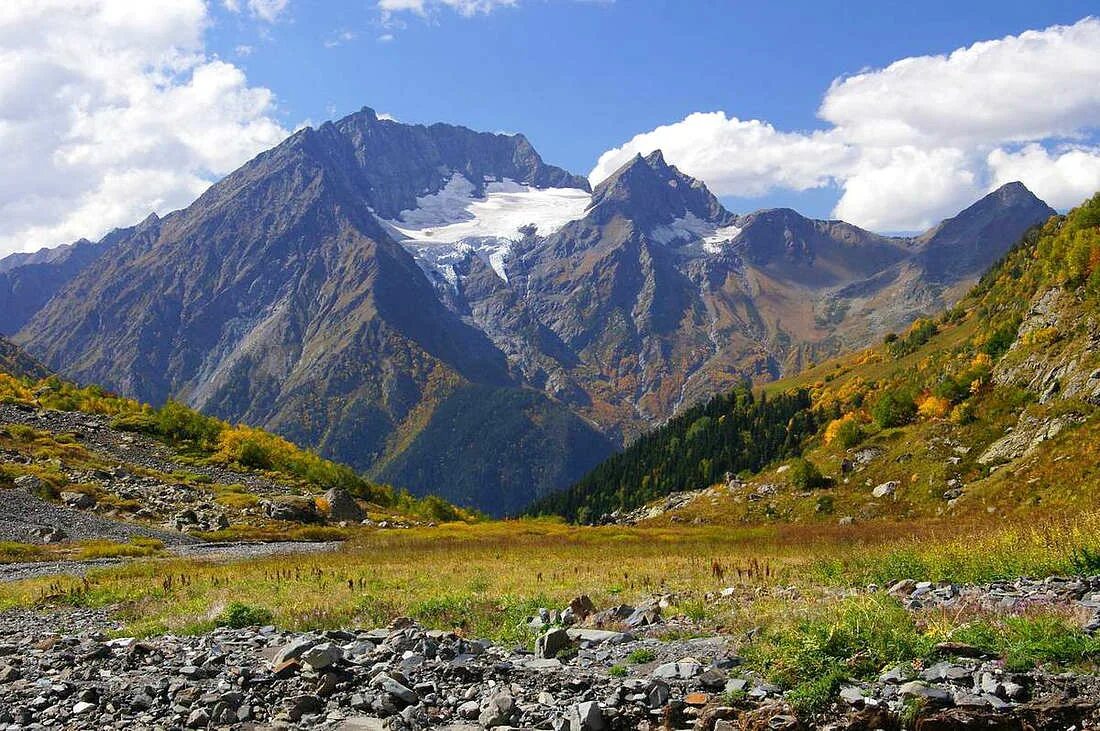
(404, 677)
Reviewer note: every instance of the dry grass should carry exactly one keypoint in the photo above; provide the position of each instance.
(484, 578)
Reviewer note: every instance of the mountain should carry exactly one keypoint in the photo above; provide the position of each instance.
(278, 298)
(17, 363)
(382, 292)
(661, 298)
(993, 407)
(28, 281)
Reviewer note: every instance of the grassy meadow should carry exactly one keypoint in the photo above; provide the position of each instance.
(806, 598)
(486, 577)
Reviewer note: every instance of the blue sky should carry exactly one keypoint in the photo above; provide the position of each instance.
(889, 115)
(579, 78)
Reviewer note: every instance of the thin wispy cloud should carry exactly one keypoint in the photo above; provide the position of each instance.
(268, 11)
(339, 38)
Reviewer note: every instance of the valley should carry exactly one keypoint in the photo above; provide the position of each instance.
(379, 291)
(386, 425)
(900, 537)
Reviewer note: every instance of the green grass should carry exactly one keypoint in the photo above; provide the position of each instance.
(136, 548)
(1025, 642)
(240, 615)
(13, 552)
(641, 656)
(854, 638)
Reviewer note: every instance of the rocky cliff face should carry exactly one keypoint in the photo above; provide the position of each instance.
(371, 289)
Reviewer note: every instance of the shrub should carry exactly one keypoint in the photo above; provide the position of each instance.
(934, 407)
(641, 656)
(177, 423)
(845, 432)
(1000, 340)
(893, 409)
(962, 414)
(239, 615)
(253, 455)
(804, 475)
(919, 333)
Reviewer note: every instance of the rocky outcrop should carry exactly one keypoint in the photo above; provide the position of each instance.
(1029, 433)
(1056, 353)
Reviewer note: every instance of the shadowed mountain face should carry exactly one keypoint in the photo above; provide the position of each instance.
(29, 281)
(388, 293)
(17, 363)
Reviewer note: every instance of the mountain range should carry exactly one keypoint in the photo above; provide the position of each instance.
(442, 309)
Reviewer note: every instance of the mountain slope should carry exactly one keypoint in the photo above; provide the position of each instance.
(17, 363)
(663, 297)
(992, 408)
(29, 281)
(344, 287)
(278, 298)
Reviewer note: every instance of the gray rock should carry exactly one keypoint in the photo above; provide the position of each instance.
(885, 489)
(30, 483)
(499, 710)
(342, 506)
(685, 669)
(83, 708)
(597, 636)
(930, 694)
(79, 500)
(552, 643)
(295, 649)
(199, 718)
(585, 717)
(321, 656)
(397, 689)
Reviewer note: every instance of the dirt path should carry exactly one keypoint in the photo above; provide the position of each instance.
(197, 551)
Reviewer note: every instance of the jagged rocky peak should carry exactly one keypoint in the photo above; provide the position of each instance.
(652, 193)
(965, 244)
(403, 162)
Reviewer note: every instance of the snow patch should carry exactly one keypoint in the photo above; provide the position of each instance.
(691, 228)
(445, 226)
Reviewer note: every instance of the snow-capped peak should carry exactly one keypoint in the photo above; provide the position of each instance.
(691, 228)
(450, 223)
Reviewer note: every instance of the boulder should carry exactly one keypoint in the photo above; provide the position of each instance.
(342, 506)
(885, 489)
(585, 716)
(686, 669)
(50, 534)
(322, 656)
(497, 711)
(550, 644)
(30, 483)
(292, 509)
(79, 500)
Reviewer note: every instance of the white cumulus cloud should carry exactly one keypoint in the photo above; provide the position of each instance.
(1063, 178)
(914, 142)
(746, 157)
(112, 109)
